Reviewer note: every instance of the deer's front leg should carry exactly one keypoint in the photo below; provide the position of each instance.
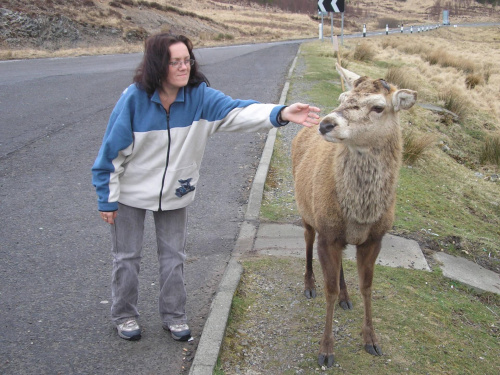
(344, 300)
(309, 280)
(366, 256)
(330, 256)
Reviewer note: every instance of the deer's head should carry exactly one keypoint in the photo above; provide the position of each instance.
(367, 113)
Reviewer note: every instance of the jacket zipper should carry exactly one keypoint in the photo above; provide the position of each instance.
(168, 157)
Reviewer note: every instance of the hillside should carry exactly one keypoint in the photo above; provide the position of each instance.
(102, 26)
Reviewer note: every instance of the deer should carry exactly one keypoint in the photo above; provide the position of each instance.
(345, 174)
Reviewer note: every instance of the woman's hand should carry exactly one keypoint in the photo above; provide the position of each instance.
(109, 217)
(302, 114)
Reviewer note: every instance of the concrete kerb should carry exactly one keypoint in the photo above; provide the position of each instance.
(215, 326)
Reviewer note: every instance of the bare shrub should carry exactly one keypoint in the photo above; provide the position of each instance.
(487, 71)
(444, 59)
(455, 102)
(134, 34)
(414, 48)
(114, 13)
(392, 22)
(222, 36)
(464, 65)
(433, 57)
(490, 152)
(399, 76)
(415, 146)
(390, 42)
(364, 52)
(472, 80)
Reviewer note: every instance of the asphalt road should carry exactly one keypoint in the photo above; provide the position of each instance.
(55, 251)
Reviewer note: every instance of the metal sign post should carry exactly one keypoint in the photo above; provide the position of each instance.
(321, 28)
(342, 30)
(332, 6)
(331, 25)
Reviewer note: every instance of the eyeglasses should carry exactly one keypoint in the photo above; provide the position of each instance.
(178, 63)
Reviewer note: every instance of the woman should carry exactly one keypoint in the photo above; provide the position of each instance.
(150, 159)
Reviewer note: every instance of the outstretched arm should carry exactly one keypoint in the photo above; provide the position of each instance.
(302, 114)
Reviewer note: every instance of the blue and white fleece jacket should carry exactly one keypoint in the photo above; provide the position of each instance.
(151, 159)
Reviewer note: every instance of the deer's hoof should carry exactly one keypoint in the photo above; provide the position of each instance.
(310, 293)
(325, 360)
(373, 349)
(346, 305)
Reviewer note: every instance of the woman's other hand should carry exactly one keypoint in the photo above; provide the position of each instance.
(109, 217)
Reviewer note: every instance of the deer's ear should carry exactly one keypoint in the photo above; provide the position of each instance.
(348, 76)
(404, 99)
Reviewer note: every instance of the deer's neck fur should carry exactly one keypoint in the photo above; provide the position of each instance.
(366, 181)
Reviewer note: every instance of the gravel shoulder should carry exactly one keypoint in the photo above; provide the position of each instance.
(279, 188)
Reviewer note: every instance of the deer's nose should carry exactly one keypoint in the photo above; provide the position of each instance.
(326, 126)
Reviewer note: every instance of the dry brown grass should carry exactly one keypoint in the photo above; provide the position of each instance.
(364, 52)
(416, 146)
(475, 49)
(491, 150)
(399, 76)
(472, 80)
(454, 100)
(446, 59)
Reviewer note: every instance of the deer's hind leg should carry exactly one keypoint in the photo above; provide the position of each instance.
(309, 280)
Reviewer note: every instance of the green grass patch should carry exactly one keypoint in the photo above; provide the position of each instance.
(425, 324)
(450, 207)
(278, 203)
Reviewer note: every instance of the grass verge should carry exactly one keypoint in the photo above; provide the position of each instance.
(425, 323)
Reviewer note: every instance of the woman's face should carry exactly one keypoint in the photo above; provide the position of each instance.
(178, 76)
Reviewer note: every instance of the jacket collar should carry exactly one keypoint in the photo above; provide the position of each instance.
(180, 96)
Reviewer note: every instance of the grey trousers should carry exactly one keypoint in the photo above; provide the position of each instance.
(127, 236)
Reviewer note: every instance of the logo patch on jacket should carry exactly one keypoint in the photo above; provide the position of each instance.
(185, 188)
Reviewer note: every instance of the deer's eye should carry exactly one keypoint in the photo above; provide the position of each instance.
(378, 109)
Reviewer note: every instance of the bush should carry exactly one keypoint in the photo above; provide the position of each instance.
(415, 147)
(222, 36)
(491, 151)
(400, 77)
(439, 57)
(135, 34)
(433, 57)
(472, 80)
(487, 71)
(455, 102)
(392, 22)
(363, 52)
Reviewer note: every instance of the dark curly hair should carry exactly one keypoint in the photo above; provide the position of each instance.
(152, 70)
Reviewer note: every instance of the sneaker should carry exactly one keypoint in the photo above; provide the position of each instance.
(129, 330)
(179, 332)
